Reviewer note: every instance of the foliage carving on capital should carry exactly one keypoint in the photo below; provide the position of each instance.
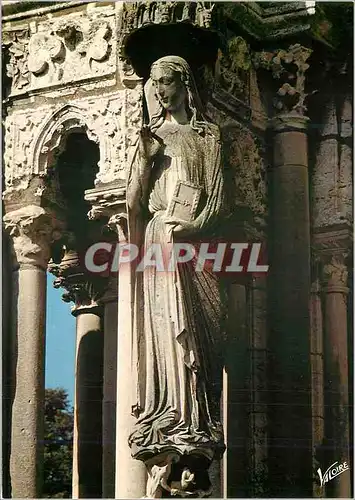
(335, 272)
(289, 67)
(82, 291)
(80, 288)
(33, 230)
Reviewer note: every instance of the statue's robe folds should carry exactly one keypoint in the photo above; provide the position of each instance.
(177, 335)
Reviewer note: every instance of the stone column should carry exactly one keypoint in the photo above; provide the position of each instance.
(316, 318)
(7, 383)
(236, 396)
(85, 291)
(32, 231)
(258, 421)
(87, 447)
(130, 473)
(290, 367)
(109, 390)
(335, 276)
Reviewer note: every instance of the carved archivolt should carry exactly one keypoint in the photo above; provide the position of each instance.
(32, 138)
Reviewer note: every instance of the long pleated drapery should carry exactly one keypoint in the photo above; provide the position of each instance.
(177, 314)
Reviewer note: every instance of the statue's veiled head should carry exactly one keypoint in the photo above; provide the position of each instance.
(169, 88)
(173, 85)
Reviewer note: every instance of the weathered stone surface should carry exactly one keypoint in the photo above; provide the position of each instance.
(69, 73)
(167, 426)
(289, 66)
(290, 357)
(34, 137)
(332, 175)
(60, 51)
(110, 329)
(32, 230)
(334, 280)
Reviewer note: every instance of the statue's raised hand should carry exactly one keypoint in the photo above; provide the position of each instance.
(149, 145)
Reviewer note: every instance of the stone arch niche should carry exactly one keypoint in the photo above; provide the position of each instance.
(52, 136)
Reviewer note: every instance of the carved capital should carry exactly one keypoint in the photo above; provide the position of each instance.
(289, 68)
(32, 230)
(83, 290)
(335, 274)
(331, 247)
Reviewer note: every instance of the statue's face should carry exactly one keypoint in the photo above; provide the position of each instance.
(169, 89)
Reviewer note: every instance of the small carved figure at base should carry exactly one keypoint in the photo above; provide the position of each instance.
(178, 477)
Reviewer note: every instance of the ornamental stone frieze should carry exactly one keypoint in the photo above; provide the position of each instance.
(64, 50)
(33, 138)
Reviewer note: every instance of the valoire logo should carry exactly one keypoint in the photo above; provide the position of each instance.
(333, 471)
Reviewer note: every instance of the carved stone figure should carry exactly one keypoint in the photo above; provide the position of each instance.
(177, 340)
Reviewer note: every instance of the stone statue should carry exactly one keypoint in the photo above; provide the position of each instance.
(176, 330)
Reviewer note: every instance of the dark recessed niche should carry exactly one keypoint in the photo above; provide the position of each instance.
(77, 167)
(147, 44)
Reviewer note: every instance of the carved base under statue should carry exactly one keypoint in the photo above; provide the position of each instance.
(180, 476)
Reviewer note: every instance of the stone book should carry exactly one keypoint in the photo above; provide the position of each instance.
(184, 202)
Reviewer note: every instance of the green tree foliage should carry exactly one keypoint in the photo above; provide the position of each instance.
(58, 451)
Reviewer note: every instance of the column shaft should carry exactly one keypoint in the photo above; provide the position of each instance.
(337, 385)
(236, 396)
(9, 285)
(87, 449)
(28, 349)
(109, 399)
(130, 473)
(290, 367)
(258, 421)
(316, 318)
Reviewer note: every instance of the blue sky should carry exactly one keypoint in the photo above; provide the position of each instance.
(60, 341)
